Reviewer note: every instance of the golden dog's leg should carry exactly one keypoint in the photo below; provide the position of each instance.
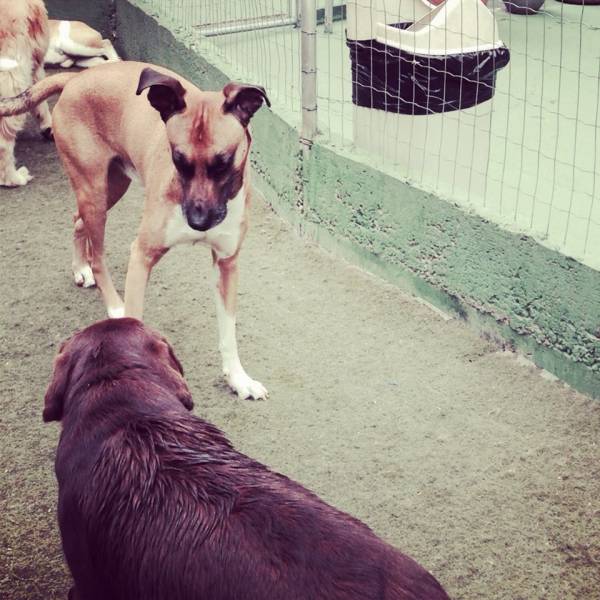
(109, 51)
(41, 111)
(226, 274)
(10, 176)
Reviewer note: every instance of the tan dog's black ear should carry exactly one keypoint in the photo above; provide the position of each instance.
(165, 94)
(243, 100)
(55, 393)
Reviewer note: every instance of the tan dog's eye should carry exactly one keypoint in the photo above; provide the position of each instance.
(219, 165)
(184, 166)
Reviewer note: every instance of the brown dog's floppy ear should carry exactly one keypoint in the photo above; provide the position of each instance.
(55, 393)
(243, 100)
(182, 391)
(165, 94)
(185, 396)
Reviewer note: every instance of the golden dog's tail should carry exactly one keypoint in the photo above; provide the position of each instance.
(32, 96)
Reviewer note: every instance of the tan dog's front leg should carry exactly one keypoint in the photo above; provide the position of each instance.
(141, 261)
(226, 275)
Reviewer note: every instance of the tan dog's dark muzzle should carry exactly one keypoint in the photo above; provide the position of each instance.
(202, 218)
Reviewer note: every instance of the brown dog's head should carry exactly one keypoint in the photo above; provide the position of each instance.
(209, 138)
(105, 350)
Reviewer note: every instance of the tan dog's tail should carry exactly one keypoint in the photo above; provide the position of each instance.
(34, 95)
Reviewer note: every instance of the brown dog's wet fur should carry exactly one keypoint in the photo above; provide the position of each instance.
(156, 504)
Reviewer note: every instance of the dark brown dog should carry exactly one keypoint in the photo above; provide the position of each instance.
(156, 504)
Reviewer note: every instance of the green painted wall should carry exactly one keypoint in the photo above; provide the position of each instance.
(96, 13)
(504, 285)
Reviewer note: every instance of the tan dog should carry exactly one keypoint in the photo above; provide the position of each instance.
(75, 43)
(189, 147)
(23, 44)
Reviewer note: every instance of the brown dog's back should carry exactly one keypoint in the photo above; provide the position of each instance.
(170, 510)
(156, 504)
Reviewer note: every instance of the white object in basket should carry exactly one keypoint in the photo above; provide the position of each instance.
(454, 27)
(363, 16)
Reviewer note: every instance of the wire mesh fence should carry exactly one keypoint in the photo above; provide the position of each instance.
(250, 40)
(495, 111)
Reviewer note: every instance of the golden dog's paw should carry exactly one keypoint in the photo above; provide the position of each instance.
(18, 177)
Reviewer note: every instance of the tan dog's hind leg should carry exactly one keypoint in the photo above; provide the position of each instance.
(226, 274)
(82, 271)
(118, 183)
(90, 200)
(96, 190)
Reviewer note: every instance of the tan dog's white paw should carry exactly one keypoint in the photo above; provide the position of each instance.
(246, 387)
(116, 312)
(84, 277)
(23, 176)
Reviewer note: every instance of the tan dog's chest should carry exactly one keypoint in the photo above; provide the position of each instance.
(224, 238)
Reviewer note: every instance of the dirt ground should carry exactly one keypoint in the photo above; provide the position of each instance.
(477, 466)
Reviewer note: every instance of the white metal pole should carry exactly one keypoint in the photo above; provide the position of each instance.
(308, 45)
(328, 16)
(255, 26)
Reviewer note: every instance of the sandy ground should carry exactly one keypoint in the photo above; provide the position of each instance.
(477, 466)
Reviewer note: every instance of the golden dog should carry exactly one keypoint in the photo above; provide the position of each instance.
(23, 44)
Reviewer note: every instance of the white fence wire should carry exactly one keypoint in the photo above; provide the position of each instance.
(527, 158)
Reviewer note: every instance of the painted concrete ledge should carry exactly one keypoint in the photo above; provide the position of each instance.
(96, 13)
(506, 286)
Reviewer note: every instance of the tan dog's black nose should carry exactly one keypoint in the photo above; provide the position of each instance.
(202, 219)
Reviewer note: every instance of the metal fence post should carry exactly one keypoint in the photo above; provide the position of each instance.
(308, 45)
(328, 16)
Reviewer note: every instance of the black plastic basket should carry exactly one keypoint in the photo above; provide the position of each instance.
(386, 78)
